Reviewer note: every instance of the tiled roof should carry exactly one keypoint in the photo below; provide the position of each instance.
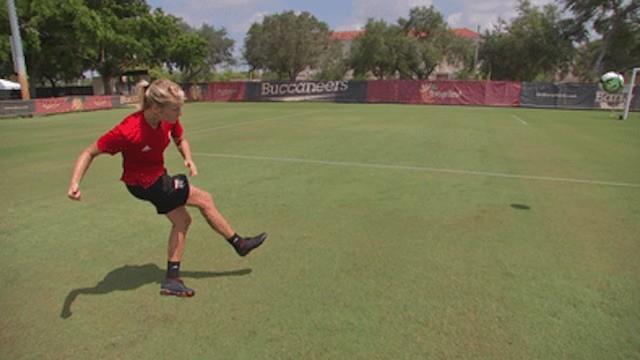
(466, 33)
(346, 35)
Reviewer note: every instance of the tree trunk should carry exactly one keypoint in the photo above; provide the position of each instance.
(106, 82)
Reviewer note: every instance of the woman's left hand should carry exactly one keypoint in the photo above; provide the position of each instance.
(192, 167)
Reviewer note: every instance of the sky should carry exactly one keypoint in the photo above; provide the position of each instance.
(236, 16)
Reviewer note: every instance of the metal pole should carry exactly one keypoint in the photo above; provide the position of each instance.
(475, 55)
(18, 56)
(627, 104)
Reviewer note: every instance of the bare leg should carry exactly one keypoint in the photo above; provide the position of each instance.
(204, 201)
(180, 219)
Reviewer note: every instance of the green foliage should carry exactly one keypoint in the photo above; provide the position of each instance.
(286, 43)
(374, 50)
(432, 42)
(229, 75)
(333, 64)
(217, 49)
(537, 43)
(63, 39)
(188, 53)
(412, 49)
(117, 46)
(56, 37)
(618, 23)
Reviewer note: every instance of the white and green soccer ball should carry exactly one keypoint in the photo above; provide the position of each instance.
(612, 82)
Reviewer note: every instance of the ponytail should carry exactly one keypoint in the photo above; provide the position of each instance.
(160, 93)
(141, 91)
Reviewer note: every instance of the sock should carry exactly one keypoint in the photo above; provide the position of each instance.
(173, 269)
(235, 240)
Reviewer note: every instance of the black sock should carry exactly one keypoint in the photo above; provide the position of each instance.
(173, 269)
(235, 240)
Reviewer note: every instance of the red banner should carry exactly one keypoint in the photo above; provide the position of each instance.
(70, 104)
(57, 105)
(502, 93)
(97, 102)
(496, 93)
(227, 91)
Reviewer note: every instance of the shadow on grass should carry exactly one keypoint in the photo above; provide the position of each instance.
(131, 277)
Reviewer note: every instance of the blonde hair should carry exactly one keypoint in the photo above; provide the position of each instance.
(160, 92)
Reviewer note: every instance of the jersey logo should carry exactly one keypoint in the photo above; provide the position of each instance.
(146, 148)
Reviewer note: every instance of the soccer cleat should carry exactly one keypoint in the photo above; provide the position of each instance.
(244, 246)
(175, 287)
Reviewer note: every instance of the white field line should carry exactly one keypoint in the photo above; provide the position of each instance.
(198, 131)
(419, 168)
(519, 119)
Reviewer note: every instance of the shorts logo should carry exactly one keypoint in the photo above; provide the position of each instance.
(178, 183)
(146, 148)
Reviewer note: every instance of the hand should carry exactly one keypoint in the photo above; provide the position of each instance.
(192, 167)
(74, 192)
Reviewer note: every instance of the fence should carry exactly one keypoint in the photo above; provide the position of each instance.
(476, 93)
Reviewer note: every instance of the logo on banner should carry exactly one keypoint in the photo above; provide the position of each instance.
(226, 92)
(303, 88)
(610, 101)
(76, 104)
(195, 92)
(431, 94)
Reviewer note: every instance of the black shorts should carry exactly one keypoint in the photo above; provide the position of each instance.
(166, 194)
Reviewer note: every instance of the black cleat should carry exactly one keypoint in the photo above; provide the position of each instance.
(244, 246)
(175, 287)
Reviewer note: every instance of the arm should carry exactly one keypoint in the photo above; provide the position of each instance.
(185, 151)
(80, 168)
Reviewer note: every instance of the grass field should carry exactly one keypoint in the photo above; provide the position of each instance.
(396, 232)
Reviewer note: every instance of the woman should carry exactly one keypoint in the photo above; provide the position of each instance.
(142, 138)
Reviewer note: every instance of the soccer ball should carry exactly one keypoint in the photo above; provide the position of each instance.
(612, 82)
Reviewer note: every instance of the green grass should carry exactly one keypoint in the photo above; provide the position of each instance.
(392, 236)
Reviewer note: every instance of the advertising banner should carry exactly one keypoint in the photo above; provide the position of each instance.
(227, 91)
(97, 102)
(57, 105)
(16, 107)
(565, 96)
(502, 93)
(338, 91)
(196, 92)
(617, 101)
(444, 92)
(129, 100)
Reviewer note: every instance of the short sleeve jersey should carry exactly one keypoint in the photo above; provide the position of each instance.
(142, 147)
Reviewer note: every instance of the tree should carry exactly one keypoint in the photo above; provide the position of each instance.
(188, 53)
(623, 54)
(220, 46)
(214, 48)
(616, 21)
(333, 64)
(537, 44)
(117, 43)
(56, 38)
(374, 51)
(412, 49)
(286, 43)
(433, 42)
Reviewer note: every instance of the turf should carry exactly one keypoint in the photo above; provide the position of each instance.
(396, 232)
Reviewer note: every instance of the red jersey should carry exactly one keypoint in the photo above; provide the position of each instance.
(142, 147)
